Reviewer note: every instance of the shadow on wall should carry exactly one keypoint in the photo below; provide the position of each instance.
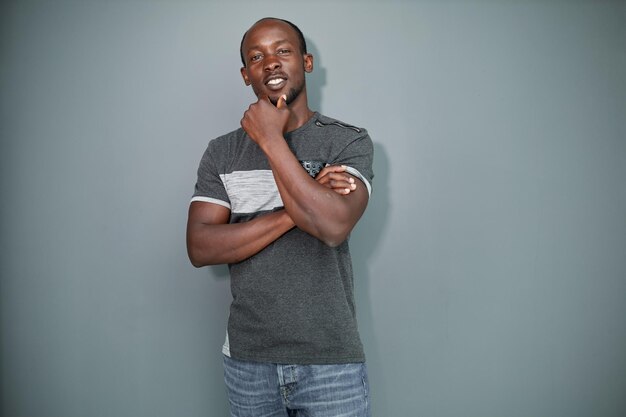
(364, 242)
(316, 80)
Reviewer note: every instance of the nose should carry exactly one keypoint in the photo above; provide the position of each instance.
(271, 63)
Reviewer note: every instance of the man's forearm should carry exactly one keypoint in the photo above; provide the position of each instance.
(212, 244)
(314, 208)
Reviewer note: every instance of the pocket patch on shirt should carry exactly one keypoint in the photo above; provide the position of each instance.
(313, 167)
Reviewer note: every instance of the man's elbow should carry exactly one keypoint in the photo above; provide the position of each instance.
(333, 234)
(200, 256)
(197, 255)
(333, 243)
(197, 263)
(194, 257)
(335, 237)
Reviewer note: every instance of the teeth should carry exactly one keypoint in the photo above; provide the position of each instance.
(275, 81)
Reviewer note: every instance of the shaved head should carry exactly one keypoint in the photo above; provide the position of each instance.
(294, 27)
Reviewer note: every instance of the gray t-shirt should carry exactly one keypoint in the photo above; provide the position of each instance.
(293, 301)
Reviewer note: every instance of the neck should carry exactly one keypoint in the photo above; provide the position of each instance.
(300, 112)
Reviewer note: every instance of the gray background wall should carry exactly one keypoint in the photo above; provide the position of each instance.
(491, 262)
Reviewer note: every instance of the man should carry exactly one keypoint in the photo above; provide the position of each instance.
(292, 346)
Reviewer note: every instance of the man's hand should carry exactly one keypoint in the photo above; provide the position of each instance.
(334, 177)
(263, 122)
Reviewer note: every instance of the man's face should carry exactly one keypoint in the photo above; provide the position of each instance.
(275, 65)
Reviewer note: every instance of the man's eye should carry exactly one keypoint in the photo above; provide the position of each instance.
(283, 51)
(255, 58)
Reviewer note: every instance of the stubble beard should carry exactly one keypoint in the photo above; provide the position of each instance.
(292, 94)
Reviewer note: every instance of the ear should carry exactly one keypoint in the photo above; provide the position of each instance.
(308, 63)
(244, 74)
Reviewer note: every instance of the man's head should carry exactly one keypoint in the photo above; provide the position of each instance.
(293, 26)
(273, 52)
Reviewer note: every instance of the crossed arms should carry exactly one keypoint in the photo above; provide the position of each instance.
(326, 207)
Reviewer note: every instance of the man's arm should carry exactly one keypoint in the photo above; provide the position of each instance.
(212, 240)
(314, 208)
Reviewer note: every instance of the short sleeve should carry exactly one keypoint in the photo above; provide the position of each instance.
(209, 185)
(358, 157)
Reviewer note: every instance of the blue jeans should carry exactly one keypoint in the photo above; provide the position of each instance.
(272, 390)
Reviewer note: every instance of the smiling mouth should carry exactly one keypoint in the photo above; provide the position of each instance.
(276, 83)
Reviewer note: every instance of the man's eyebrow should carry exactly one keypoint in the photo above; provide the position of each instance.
(272, 44)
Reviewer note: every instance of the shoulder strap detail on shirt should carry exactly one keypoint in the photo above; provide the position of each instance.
(319, 123)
